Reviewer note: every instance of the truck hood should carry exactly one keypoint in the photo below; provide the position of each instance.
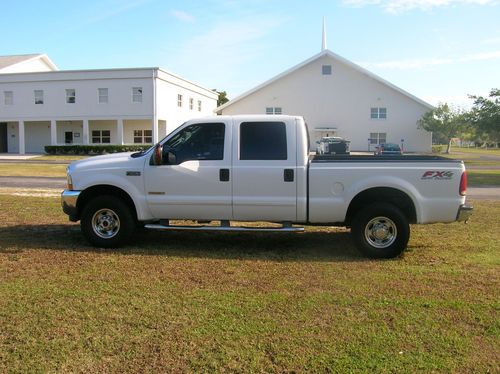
(107, 162)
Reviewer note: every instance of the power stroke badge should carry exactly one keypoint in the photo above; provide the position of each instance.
(437, 174)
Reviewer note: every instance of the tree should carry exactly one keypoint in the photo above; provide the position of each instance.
(485, 115)
(222, 97)
(444, 122)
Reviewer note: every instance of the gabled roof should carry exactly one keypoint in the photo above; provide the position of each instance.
(7, 61)
(341, 59)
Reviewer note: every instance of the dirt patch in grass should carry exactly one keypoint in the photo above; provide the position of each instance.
(253, 302)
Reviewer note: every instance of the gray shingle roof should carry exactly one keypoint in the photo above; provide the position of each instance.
(12, 60)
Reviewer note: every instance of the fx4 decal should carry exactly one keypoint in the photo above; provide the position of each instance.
(437, 174)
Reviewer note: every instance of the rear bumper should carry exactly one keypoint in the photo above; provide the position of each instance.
(464, 212)
(68, 203)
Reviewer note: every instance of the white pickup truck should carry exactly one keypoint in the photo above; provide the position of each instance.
(258, 168)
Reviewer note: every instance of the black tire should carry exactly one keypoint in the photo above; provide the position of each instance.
(107, 222)
(380, 230)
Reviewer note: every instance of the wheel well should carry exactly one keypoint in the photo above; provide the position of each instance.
(382, 194)
(103, 189)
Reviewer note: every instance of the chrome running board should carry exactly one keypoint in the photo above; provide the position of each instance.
(287, 228)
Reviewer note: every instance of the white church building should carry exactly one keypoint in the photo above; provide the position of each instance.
(41, 105)
(338, 98)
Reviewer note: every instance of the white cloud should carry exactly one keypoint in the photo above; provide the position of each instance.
(220, 56)
(489, 41)
(182, 16)
(400, 6)
(410, 64)
(115, 10)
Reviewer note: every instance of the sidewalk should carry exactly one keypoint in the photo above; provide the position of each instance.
(14, 156)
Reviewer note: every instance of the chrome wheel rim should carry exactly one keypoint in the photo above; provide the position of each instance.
(381, 232)
(105, 223)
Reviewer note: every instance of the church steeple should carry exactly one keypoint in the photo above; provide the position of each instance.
(323, 41)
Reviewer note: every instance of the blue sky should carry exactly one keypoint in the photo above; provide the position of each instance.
(438, 50)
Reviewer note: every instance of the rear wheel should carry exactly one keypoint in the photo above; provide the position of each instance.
(380, 230)
(107, 222)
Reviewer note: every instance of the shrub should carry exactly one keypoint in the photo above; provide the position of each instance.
(438, 148)
(92, 149)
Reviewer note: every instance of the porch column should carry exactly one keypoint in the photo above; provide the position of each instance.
(22, 149)
(119, 131)
(155, 130)
(53, 132)
(85, 131)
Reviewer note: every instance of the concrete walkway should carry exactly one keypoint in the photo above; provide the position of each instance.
(483, 193)
(18, 157)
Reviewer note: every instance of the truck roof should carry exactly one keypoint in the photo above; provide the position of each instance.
(253, 117)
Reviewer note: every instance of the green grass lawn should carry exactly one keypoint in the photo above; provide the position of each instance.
(483, 177)
(32, 170)
(477, 151)
(212, 302)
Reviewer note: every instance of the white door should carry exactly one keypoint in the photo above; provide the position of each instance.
(194, 181)
(264, 171)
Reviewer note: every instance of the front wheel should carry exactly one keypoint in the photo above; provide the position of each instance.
(380, 231)
(107, 222)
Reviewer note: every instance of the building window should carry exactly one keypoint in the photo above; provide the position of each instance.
(378, 113)
(70, 96)
(143, 136)
(137, 94)
(191, 103)
(326, 69)
(274, 110)
(101, 136)
(378, 137)
(103, 95)
(199, 105)
(8, 97)
(179, 101)
(38, 96)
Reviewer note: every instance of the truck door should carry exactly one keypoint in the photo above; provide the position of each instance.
(194, 181)
(264, 170)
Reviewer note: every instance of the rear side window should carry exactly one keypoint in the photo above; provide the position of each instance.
(263, 141)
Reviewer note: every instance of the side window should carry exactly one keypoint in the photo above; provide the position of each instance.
(201, 141)
(263, 141)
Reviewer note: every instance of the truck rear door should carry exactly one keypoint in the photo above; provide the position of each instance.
(264, 170)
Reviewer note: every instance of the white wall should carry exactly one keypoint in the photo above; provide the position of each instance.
(36, 136)
(86, 84)
(168, 87)
(28, 66)
(341, 100)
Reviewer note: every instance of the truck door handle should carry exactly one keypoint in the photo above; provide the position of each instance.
(224, 175)
(288, 175)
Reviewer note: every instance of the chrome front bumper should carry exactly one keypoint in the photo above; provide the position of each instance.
(68, 203)
(464, 212)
